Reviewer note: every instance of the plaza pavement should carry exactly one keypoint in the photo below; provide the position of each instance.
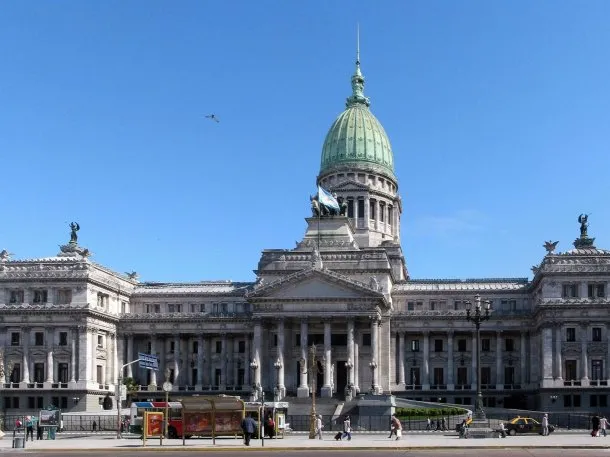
(571, 440)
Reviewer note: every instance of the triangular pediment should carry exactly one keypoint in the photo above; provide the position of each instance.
(315, 284)
(350, 185)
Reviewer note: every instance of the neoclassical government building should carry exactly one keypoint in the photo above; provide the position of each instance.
(344, 293)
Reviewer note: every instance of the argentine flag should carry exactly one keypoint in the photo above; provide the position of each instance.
(325, 198)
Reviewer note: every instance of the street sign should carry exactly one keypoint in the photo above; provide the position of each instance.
(148, 361)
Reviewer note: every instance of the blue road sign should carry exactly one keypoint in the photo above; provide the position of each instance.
(148, 361)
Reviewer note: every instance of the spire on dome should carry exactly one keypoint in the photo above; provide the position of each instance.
(357, 96)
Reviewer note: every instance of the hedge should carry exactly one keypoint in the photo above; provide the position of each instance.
(429, 412)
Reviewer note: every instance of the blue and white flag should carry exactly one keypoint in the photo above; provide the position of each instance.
(326, 198)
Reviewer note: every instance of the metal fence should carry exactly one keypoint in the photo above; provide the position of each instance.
(73, 423)
(362, 423)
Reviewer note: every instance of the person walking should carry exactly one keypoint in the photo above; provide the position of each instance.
(396, 427)
(603, 424)
(443, 425)
(545, 424)
(29, 428)
(39, 431)
(347, 429)
(318, 427)
(595, 424)
(248, 426)
(428, 424)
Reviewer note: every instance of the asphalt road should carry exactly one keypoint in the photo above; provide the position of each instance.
(338, 453)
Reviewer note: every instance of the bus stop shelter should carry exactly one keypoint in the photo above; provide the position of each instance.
(218, 415)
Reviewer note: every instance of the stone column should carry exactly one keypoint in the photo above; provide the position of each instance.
(84, 368)
(153, 351)
(607, 367)
(247, 380)
(450, 367)
(499, 380)
(303, 389)
(374, 354)
(74, 334)
(119, 354)
(367, 212)
(558, 361)
(200, 356)
(92, 332)
(257, 342)
(176, 356)
(25, 376)
(401, 360)
(50, 365)
(234, 358)
(281, 335)
(224, 355)
(109, 352)
(584, 358)
(129, 355)
(350, 351)
(547, 362)
(356, 367)
(426, 366)
(327, 390)
(523, 375)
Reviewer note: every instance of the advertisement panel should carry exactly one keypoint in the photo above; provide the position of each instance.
(49, 418)
(227, 422)
(153, 424)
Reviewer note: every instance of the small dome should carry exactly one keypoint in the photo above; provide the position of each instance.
(356, 138)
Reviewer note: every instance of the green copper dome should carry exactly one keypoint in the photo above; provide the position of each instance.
(356, 138)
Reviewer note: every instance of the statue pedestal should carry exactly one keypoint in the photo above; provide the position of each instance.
(481, 429)
(332, 232)
(584, 243)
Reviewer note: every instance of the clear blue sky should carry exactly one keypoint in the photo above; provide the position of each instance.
(498, 114)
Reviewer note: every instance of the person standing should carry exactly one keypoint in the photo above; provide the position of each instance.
(347, 429)
(248, 426)
(545, 424)
(29, 428)
(603, 424)
(318, 427)
(595, 424)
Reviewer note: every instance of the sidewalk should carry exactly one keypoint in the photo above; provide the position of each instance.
(359, 441)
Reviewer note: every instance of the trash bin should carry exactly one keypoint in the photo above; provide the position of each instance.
(18, 441)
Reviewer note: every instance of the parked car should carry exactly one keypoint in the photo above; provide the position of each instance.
(525, 425)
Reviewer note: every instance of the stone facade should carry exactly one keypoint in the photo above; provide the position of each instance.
(69, 325)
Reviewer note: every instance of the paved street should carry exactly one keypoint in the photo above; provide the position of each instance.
(424, 444)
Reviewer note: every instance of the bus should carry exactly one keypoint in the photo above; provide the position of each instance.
(174, 409)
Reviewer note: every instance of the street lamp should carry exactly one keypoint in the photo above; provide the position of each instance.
(312, 372)
(349, 389)
(278, 366)
(254, 367)
(480, 313)
(373, 367)
(167, 387)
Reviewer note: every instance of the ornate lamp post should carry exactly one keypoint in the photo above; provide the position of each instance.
(254, 367)
(373, 367)
(480, 313)
(312, 371)
(349, 389)
(278, 366)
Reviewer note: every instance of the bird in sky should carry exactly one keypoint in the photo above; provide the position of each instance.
(212, 117)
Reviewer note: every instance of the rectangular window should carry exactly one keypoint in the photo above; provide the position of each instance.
(485, 375)
(597, 370)
(16, 402)
(462, 376)
(570, 370)
(350, 208)
(98, 373)
(381, 212)
(16, 297)
(39, 372)
(16, 373)
(172, 346)
(63, 338)
(39, 402)
(461, 345)
(570, 291)
(100, 341)
(240, 376)
(102, 300)
(40, 296)
(195, 347)
(458, 305)
(438, 345)
(414, 376)
(62, 372)
(509, 345)
(15, 339)
(241, 348)
(508, 305)
(38, 339)
(193, 376)
(366, 339)
(570, 334)
(414, 345)
(597, 334)
(31, 402)
(123, 307)
(439, 378)
(372, 204)
(432, 305)
(360, 208)
(390, 215)
(171, 308)
(218, 347)
(411, 306)
(217, 377)
(172, 375)
(63, 402)
(596, 290)
(509, 375)
(485, 344)
(336, 339)
(64, 296)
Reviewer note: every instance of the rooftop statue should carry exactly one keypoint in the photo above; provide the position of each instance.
(5, 255)
(75, 228)
(550, 246)
(583, 225)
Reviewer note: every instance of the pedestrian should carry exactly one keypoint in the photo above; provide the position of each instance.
(428, 424)
(39, 431)
(443, 425)
(438, 425)
(347, 429)
(319, 426)
(94, 426)
(603, 424)
(396, 428)
(545, 424)
(595, 424)
(248, 426)
(29, 428)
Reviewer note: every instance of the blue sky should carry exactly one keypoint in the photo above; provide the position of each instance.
(498, 114)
